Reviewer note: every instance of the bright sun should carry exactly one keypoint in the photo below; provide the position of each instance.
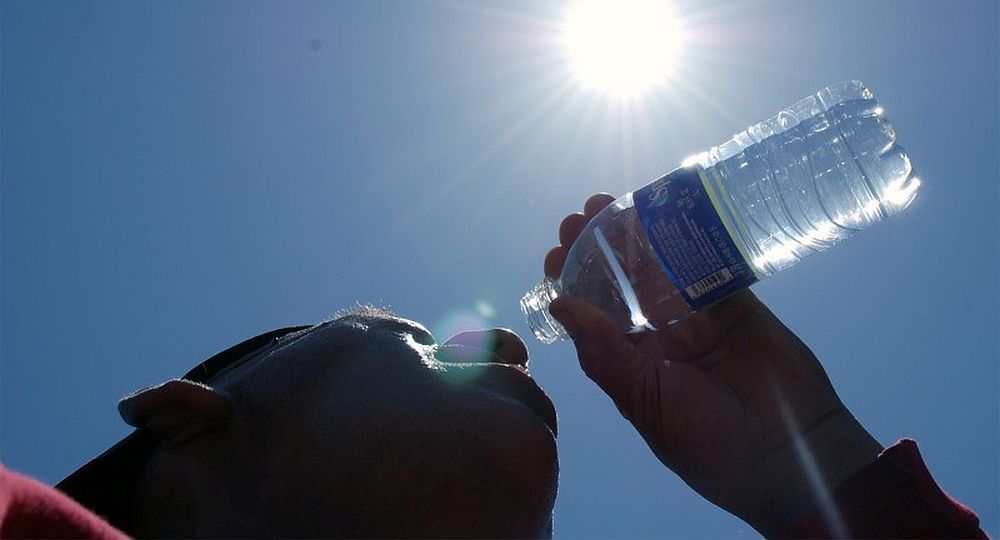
(622, 47)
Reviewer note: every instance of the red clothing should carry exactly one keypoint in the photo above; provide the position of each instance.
(30, 509)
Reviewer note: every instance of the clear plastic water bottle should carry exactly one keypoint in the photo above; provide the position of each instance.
(792, 185)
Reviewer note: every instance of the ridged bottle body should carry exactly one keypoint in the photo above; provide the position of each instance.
(787, 187)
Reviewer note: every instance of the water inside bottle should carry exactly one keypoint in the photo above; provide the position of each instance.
(810, 177)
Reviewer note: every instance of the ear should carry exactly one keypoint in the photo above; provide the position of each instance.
(177, 410)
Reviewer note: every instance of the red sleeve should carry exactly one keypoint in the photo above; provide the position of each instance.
(31, 509)
(893, 497)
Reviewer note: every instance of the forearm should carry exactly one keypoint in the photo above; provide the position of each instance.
(801, 475)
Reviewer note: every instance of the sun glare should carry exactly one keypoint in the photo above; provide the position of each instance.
(622, 47)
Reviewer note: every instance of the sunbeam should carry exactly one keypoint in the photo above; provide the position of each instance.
(818, 485)
(501, 141)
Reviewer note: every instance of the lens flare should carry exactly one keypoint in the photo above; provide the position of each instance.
(485, 310)
(458, 321)
(463, 363)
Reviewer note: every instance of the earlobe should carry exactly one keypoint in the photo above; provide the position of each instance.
(177, 410)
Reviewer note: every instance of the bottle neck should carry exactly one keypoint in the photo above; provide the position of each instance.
(535, 306)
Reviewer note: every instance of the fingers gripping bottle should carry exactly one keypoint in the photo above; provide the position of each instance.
(792, 185)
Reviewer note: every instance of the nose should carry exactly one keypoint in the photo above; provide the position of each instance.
(506, 347)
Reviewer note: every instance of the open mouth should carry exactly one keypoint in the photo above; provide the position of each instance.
(514, 382)
(505, 376)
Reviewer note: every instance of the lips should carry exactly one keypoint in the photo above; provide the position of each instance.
(508, 379)
(514, 382)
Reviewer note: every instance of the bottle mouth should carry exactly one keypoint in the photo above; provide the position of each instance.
(535, 306)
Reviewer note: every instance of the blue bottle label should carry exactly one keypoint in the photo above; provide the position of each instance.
(680, 217)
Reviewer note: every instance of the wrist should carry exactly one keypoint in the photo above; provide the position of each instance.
(801, 474)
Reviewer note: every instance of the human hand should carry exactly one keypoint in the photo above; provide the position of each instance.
(729, 399)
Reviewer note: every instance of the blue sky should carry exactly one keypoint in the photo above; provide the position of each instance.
(178, 176)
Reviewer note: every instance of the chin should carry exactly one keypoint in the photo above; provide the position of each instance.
(529, 463)
(497, 480)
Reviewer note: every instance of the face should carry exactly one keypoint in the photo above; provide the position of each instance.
(368, 427)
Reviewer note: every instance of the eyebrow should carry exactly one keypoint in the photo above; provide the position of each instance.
(379, 317)
(368, 312)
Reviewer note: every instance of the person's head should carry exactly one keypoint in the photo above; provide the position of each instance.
(360, 426)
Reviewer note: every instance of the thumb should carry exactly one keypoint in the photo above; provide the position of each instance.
(605, 356)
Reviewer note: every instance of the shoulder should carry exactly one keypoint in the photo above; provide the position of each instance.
(31, 509)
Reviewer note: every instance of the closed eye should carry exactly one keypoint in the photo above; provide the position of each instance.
(420, 334)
